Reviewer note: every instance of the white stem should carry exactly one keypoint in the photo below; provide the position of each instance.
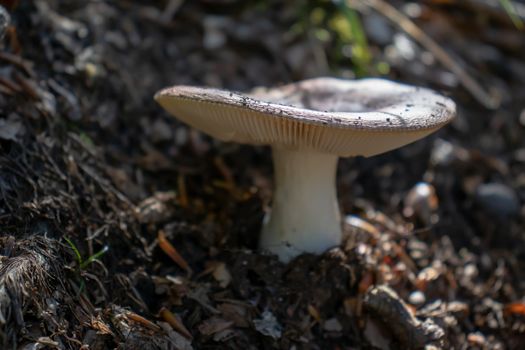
(305, 214)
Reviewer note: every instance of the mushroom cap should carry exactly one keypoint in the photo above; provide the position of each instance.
(336, 116)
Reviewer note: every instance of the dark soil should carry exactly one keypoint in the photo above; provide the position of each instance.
(98, 185)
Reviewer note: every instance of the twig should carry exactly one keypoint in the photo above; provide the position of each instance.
(10, 85)
(441, 55)
(18, 61)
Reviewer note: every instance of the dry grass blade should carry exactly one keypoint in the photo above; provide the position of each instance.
(409, 27)
(174, 322)
(170, 250)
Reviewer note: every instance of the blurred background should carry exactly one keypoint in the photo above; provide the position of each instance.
(98, 185)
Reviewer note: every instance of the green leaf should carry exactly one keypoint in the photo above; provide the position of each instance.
(94, 257)
(75, 249)
(361, 55)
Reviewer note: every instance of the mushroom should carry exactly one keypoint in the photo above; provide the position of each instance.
(309, 125)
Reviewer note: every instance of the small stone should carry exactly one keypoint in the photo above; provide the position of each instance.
(405, 46)
(422, 203)
(332, 325)
(428, 274)
(417, 249)
(417, 298)
(498, 199)
(442, 153)
(476, 339)
(470, 271)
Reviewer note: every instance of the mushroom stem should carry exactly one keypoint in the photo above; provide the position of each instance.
(305, 214)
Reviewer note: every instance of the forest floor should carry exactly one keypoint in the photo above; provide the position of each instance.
(122, 228)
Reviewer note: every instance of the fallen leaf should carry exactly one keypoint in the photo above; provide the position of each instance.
(268, 325)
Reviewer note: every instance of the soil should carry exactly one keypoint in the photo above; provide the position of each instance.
(122, 228)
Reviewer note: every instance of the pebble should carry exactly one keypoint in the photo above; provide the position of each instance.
(332, 325)
(417, 298)
(405, 46)
(442, 153)
(498, 199)
(417, 249)
(470, 271)
(428, 274)
(477, 339)
(421, 202)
